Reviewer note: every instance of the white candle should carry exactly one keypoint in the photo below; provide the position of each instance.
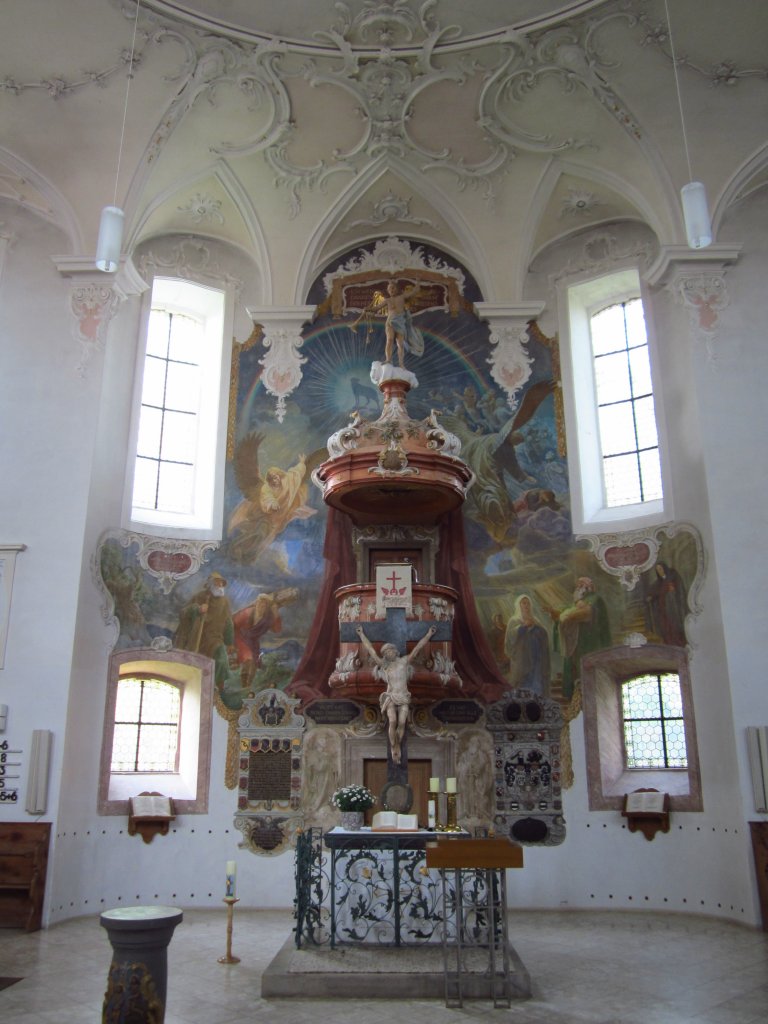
(231, 876)
(431, 811)
(450, 785)
(434, 784)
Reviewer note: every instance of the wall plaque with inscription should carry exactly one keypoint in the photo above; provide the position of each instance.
(269, 775)
(458, 712)
(333, 712)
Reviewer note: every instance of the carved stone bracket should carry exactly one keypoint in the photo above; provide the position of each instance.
(94, 299)
(282, 340)
(696, 279)
(509, 359)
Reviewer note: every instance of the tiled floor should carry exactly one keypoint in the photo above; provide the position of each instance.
(586, 968)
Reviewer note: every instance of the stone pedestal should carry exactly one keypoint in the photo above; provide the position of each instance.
(138, 974)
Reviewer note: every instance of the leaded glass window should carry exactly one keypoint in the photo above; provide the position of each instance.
(654, 727)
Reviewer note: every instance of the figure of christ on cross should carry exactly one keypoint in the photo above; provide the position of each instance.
(395, 669)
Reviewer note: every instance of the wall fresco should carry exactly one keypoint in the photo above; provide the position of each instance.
(543, 596)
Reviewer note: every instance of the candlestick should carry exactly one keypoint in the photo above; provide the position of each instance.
(231, 877)
(451, 822)
(228, 958)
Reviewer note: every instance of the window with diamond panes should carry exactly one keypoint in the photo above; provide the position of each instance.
(626, 415)
(654, 727)
(146, 733)
(167, 441)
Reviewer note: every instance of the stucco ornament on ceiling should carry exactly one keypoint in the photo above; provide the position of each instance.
(416, 55)
(390, 208)
(202, 208)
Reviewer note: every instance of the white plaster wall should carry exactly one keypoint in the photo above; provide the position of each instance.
(731, 384)
(97, 864)
(46, 444)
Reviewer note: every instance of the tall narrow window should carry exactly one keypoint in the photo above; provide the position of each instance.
(654, 727)
(628, 436)
(616, 451)
(177, 461)
(165, 453)
(146, 735)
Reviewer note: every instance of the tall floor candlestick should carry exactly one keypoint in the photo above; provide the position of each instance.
(228, 958)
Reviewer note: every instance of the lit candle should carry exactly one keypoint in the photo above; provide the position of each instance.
(231, 875)
(450, 785)
(434, 784)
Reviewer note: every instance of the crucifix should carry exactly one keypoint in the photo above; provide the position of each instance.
(393, 666)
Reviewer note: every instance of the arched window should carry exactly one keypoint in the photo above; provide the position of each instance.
(157, 729)
(639, 726)
(174, 479)
(616, 451)
(146, 735)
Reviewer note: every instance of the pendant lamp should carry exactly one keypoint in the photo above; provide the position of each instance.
(112, 217)
(698, 226)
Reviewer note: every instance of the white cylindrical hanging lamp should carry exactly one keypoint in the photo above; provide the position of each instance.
(110, 239)
(698, 226)
(112, 217)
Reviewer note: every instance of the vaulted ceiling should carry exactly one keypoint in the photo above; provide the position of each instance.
(293, 129)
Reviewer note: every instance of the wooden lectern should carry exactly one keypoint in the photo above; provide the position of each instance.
(476, 911)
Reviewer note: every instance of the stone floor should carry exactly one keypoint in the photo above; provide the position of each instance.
(585, 968)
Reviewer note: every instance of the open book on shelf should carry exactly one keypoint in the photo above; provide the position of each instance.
(391, 821)
(151, 805)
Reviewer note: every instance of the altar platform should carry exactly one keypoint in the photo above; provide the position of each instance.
(373, 972)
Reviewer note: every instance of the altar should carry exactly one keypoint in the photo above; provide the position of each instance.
(355, 887)
(381, 890)
(443, 891)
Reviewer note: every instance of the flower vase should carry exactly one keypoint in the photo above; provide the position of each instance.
(352, 821)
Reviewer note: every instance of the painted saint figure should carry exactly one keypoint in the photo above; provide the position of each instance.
(395, 670)
(582, 627)
(667, 605)
(205, 626)
(253, 622)
(527, 647)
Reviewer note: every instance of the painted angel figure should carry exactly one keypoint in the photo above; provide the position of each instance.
(399, 329)
(270, 502)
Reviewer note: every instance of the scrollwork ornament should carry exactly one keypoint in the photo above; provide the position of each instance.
(282, 364)
(509, 359)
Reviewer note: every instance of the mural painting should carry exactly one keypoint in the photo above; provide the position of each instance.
(544, 597)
